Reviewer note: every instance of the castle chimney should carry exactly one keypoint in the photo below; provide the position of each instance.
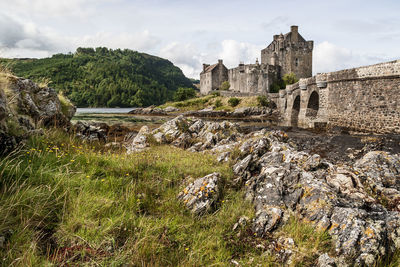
(220, 61)
(295, 33)
(276, 36)
(205, 67)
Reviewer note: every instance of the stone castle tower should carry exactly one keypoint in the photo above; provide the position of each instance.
(291, 52)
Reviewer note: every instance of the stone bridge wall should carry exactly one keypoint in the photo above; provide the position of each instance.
(363, 99)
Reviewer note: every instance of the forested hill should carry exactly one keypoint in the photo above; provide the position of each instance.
(104, 77)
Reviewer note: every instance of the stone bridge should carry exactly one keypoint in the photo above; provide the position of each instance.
(362, 99)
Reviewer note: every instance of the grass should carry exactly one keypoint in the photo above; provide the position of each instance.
(310, 242)
(211, 100)
(66, 104)
(68, 203)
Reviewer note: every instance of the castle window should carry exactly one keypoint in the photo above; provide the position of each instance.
(296, 62)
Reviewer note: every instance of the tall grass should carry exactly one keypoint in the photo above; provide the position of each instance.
(64, 202)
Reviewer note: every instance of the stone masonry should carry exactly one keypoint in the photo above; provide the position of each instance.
(362, 99)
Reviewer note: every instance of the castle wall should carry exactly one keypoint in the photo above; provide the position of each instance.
(362, 99)
(366, 98)
(205, 83)
(252, 79)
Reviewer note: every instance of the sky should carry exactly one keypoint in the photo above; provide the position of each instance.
(346, 33)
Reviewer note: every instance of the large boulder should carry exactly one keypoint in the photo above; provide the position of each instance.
(25, 106)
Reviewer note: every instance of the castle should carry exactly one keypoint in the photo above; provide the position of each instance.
(287, 53)
(361, 99)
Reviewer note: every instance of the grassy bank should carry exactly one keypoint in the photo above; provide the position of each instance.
(218, 102)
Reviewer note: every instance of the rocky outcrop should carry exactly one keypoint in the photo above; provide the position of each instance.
(244, 112)
(152, 110)
(357, 204)
(96, 131)
(25, 107)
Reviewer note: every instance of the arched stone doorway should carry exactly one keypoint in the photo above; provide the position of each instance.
(295, 112)
(313, 105)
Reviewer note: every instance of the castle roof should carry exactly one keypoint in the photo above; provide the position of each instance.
(210, 68)
(288, 36)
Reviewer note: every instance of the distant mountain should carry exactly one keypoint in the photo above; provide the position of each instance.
(104, 77)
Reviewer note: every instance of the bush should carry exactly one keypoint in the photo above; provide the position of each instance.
(218, 103)
(225, 86)
(262, 101)
(215, 93)
(290, 78)
(233, 101)
(183, 94)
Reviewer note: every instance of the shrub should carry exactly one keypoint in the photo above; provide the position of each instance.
(218, 103)
(290, 78)
(183, 94)
(233, 101)
(262, 101)
(225, 86)
(215, 93)
(276, 86)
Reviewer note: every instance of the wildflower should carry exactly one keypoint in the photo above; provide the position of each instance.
(27, 152)
(102, 180)
(30, 160)
(186, 249)
(127, 174)
(87, 176)
(72, 160)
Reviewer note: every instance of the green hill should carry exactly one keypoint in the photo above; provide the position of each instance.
(104, 77)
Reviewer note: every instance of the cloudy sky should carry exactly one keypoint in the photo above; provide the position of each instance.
(346, 33)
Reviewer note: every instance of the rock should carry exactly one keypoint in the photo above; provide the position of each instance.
(152, 110)
(91, 132)
(325, 261)
(201, 195)
(224, 157)
(139, 143)
(171, 109)
(25, 107)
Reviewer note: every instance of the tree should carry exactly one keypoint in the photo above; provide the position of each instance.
(290, 78)
(225, 86)
(183, 94)
(233, 101)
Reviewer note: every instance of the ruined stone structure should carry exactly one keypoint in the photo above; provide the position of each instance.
(287, 53)
(362, 99)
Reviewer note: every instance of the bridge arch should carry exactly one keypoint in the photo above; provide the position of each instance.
(294, 118)
(313, 105)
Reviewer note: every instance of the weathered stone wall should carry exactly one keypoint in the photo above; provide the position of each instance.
(212, 79)
(362, 99)
(366, 98)
(252, 78)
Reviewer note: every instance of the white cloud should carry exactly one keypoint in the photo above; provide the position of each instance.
(17, 37)
(185, 56)
(329, 57)
(54, 8)
(141, 41)
(234, 52)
